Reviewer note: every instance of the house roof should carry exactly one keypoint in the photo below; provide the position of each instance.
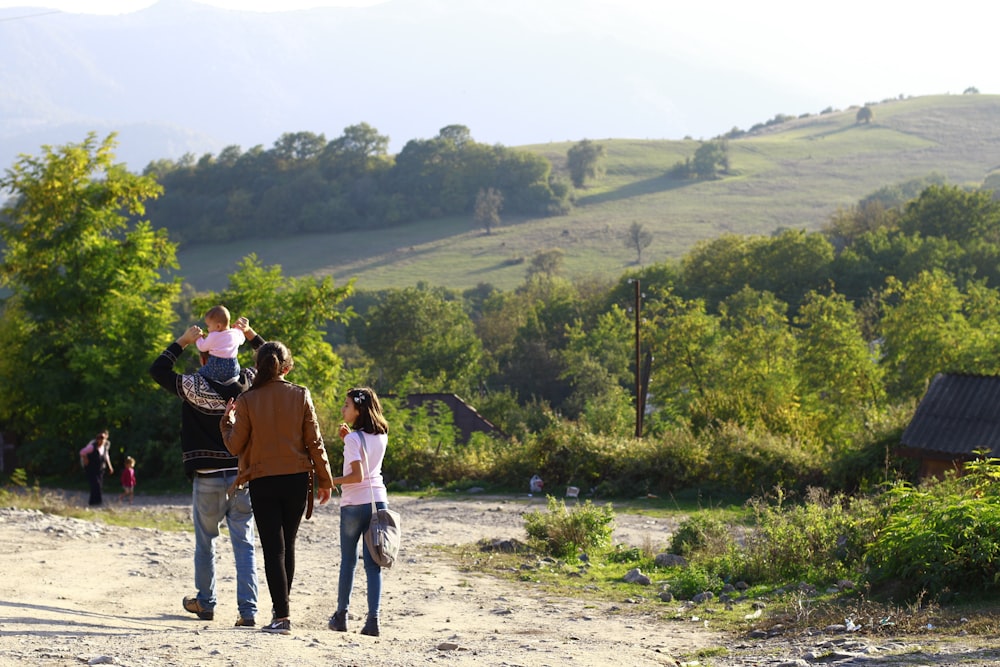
(466, 418)
(958, 415)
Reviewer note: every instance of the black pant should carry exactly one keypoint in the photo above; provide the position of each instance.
(95, 476)
(279, 502)
(96, 480)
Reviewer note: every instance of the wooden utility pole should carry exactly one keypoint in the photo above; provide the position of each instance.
(638, 361)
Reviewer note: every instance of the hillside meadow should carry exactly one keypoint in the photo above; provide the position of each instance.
(791, 174)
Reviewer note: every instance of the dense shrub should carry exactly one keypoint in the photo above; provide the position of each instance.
(867, 461)
(940, 536)
(818, 540)
(673, 460)
(686, 582)
(701, 534)
(624, 554)
(751, 461)
(564, 533)
(566, 453)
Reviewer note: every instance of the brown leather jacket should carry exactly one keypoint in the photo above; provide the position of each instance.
(276, 433)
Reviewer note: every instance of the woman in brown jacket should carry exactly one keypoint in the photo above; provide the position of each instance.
(273, 428)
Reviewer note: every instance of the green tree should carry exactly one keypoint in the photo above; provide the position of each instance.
(422, 340)
(953, 213)
(716, 268)
(790, 264)
(838, 370)
(489, 201)
(930, 326)
(457, 135)
(546, 263)
(87, 305)
(686, 342)
(359, 150)
(758, 384)
(533, 365)
(787, 264)
(711, 158)
(865, 115)
(847, 225)
(597, 359)
(638, 238)
(293, 147)
(585, 160)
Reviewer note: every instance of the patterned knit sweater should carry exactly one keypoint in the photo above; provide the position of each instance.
(202, 405)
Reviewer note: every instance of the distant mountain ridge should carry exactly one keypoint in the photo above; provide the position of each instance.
(185, 77)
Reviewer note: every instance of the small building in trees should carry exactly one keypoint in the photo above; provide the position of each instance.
(957, 417)
(466, 418)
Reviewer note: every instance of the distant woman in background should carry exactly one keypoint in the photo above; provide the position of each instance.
(95, 457)
(273, 428)
(365, 433)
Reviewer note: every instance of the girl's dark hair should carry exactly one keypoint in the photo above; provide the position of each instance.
(370, 418)
(273, 360)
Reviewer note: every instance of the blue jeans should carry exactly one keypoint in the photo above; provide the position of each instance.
(219, 369)
(211, 504)
(354, 520)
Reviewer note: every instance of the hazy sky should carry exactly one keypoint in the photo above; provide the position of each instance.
(126, 6)
(794, 58)
(850, 51)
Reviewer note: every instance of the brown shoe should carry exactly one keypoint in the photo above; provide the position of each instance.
(192, 605)
(245, 622)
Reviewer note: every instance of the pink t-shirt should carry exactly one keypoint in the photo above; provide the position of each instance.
(224, 344)
(128, 478)
(375, 446)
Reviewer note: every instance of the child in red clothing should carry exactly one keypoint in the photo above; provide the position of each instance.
(128, 480)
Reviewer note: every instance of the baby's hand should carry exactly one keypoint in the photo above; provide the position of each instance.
(242, 324)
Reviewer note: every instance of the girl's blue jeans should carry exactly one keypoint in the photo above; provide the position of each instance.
(354, 520)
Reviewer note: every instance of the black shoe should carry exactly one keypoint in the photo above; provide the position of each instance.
(245, 622)
(371, 626)
(283, 627)
(192, 605)
(338, 621)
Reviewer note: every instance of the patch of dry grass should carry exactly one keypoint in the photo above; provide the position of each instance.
(62, 503)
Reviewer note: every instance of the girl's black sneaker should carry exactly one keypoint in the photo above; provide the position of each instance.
(283, 627)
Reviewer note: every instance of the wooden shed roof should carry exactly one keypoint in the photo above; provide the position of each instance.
(958, 415)
(466, 418)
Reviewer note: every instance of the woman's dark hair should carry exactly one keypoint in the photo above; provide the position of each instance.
(370, 418)
(273, 360)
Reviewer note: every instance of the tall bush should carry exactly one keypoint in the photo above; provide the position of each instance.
(750, 460)
(941, 536)
(818, 540)
(564, 533)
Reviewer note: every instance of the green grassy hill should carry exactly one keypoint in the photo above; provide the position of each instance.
(792, 174)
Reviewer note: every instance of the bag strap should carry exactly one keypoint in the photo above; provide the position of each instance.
(364, 458)
(309, 496)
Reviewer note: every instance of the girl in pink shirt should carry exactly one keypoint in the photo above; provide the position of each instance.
(128, 480)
